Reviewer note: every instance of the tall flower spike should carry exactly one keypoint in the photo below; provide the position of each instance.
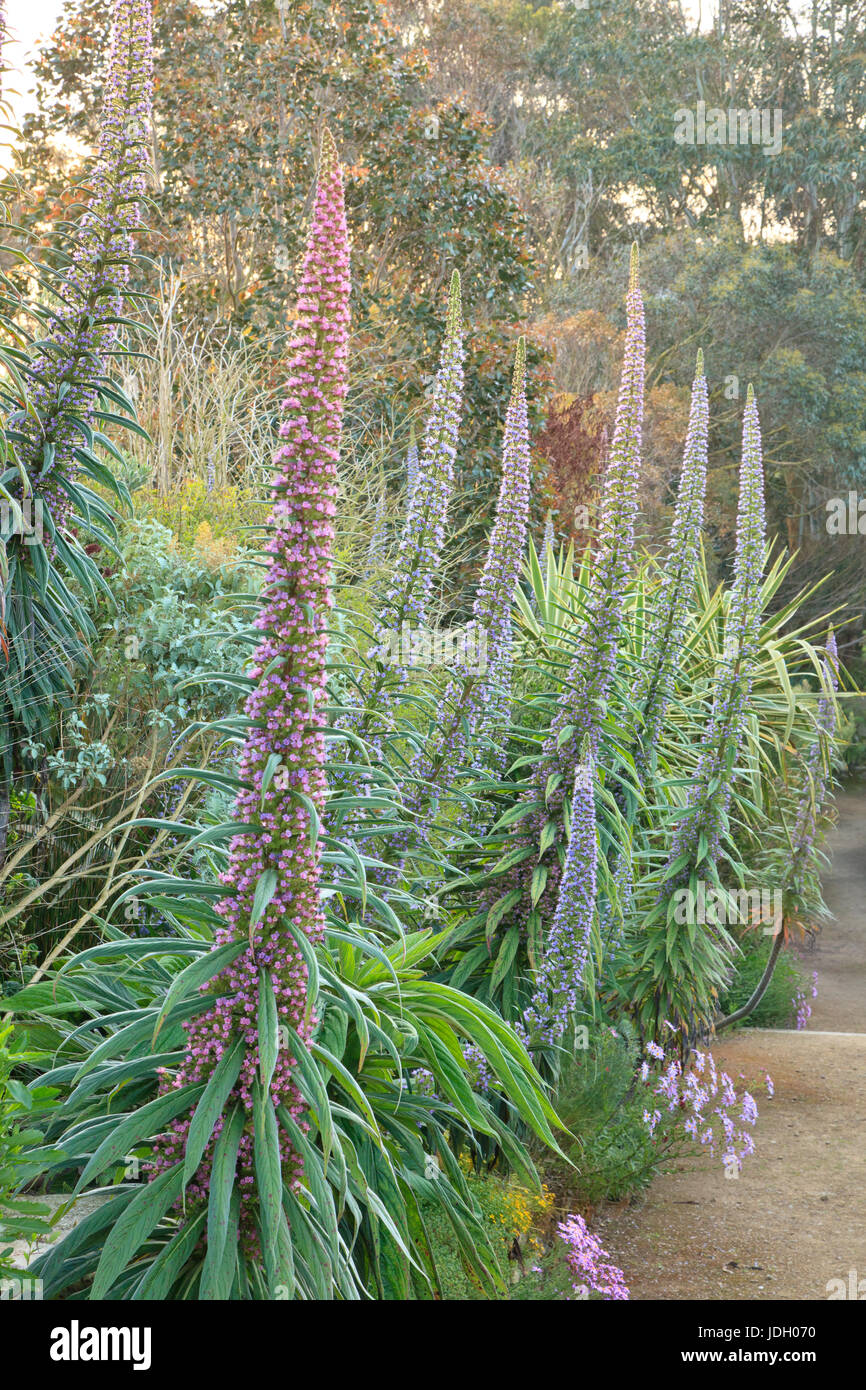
(492, 610)
(596, 647)
(477, 699)
(411, 470)
(580, 706)
(676, 591)
(76, 350)
(707, 811)
(566, 945)
(276, 861)
(408, 599)
(376, 547)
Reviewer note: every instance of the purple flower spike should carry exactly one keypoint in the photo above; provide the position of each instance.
(676, 591)
(282, 764)
(477, 701)
(566, 946)
(93, 293)
(707, 809)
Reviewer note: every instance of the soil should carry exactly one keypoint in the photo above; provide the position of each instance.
(795, 1218)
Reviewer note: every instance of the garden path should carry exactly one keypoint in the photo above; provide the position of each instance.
(795, 1218)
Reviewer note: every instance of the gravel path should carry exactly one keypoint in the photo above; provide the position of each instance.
(795, 1219)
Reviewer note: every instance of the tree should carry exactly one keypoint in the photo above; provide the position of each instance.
(243, 90)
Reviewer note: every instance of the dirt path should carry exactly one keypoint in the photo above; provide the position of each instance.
(796, 1217)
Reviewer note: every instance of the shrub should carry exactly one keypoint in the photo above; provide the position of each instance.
(612, 1153)
(510, 1211)
(21, 1218)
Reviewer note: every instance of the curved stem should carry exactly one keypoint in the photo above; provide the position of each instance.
(760, 991)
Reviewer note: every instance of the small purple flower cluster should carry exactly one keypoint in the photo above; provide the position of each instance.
(706, 1098)
(803, 1007)
(481, 1077)
(589, 1263)
(804, 1010)
(278, 801)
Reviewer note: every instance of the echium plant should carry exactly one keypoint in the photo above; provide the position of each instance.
(665, 632)
(699, 834)
(586, 685)
(565, 951)
(272, 906)
(672, 601)
(680, 968)
(578, 718)
(409, 595)
(55, 398)
(476, 701)
(68, 372)
(492, 612)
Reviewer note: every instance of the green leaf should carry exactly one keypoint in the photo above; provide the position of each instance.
(133, 1226)
(539, 882)
(196, 974)
(265, 890)
(534, 939)
(162, 1274)
(269, 1035)
(499, 909)
(548, 835)
(215, 1277)
(507, 953)
(142, 1124)
(211, 1105)
(269, 1182)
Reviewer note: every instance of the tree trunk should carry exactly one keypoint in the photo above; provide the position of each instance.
(763, 985)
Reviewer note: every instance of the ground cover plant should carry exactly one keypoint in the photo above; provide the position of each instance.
(369, 910)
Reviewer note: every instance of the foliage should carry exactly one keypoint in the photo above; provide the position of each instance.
(234, 192)
(21, 1218)
(513, 1211)
(258, 1017)
(614, 1156)
(56, 399)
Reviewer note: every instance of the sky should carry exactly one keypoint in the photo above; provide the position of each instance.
(28, 20)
